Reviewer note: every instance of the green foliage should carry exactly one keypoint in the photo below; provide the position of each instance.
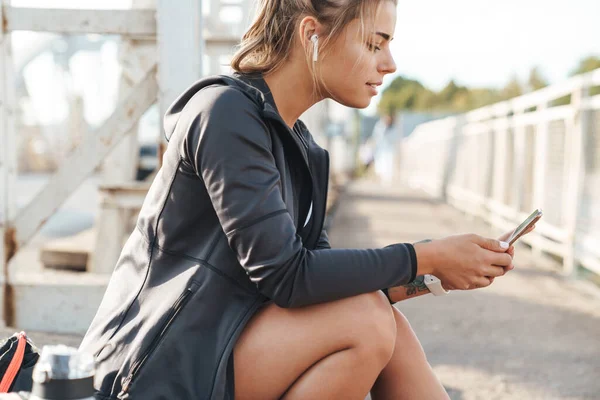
(586, 65)
(536, 81)
(512, 89)
(409, 94)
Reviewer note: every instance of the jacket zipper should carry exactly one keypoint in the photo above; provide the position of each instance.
(175, 310)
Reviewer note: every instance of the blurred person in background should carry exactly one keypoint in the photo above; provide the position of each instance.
(228, 287)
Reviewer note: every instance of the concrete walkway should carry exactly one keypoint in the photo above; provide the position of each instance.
(531, 335)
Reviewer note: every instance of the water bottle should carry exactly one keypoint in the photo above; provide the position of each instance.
(63, 373)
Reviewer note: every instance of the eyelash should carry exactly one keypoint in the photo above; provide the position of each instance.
(373, 48)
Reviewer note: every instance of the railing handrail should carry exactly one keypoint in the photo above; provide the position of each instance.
(498, 161)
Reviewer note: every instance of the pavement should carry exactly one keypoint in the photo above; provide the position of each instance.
(531, 335)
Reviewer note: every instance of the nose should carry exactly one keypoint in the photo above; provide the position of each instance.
(387, 65)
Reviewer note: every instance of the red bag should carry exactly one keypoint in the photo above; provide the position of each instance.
(17, 359)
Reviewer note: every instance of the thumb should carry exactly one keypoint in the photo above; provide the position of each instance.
(493, 245)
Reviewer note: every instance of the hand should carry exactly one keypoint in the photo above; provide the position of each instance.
(464, 261)
(511, 250)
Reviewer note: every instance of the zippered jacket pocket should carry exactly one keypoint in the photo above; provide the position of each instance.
(168, 321)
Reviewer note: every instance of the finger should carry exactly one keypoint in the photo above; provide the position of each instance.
(511, 251)
(491, 244)
(481, 283)
(500, 259)
(493, 271)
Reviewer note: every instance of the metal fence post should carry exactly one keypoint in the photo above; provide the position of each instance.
(519, 131)
(539, 166)
(449, 170)
(574, 159)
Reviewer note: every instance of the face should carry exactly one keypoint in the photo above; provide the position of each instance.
(354, 68)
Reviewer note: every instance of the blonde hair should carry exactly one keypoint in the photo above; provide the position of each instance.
(269, 39)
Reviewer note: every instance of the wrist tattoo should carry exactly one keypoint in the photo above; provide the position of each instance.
(418, 285)
(425, 241)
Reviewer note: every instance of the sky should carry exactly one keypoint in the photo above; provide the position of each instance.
(484, 43)
(474, 42)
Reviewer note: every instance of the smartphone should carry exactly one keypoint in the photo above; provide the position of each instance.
(521, 229)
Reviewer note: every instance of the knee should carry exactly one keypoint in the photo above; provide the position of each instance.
(404, 331)
(376, 335)
(403, 327)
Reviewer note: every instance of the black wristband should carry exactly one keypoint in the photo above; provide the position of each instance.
(385, 291)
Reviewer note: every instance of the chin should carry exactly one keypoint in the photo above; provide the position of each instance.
(351, 97)
(356, 102)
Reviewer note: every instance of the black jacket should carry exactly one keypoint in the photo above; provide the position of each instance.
(221, 232)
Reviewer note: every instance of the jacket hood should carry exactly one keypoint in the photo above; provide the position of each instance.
(258, 91)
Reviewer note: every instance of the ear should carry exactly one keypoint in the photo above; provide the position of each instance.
(309, 26)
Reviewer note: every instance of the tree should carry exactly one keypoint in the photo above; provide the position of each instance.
(401, 94)
(409, 94)
(536, 81)
(453, 97)
(480, 97)
(512, 89)
(586, 65)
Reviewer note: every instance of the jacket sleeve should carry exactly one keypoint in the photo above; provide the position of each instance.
(323, 242)
(229, 146)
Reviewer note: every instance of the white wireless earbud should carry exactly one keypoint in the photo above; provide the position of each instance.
(315, 40)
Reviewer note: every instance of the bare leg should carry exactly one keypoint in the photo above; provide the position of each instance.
(330, 350)
(408, 375)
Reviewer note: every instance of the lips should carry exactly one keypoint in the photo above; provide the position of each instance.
(374, 84)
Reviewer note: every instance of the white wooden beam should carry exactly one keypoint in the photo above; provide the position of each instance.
(122, 22)
(120, 167)
(124, 196)
(86, 158)
(180, 48)
(136, 57)
(8, 159)
(3, 155)
(8, 170)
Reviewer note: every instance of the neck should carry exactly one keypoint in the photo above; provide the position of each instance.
(292, 89)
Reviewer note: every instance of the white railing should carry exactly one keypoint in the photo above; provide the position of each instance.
(502, 161)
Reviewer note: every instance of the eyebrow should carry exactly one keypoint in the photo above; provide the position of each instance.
(385, 36)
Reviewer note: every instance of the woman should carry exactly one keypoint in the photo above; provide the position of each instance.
(228, 288)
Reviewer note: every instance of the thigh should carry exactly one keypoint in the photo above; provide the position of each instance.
(278, 344)
(408, 374)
